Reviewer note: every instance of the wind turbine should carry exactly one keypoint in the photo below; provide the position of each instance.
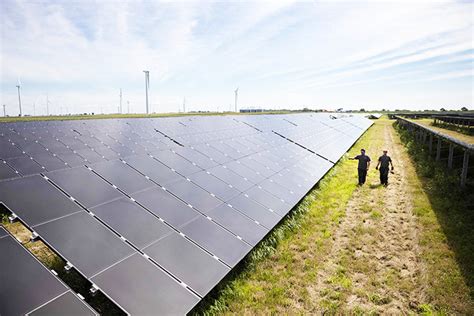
(4, 111)
(236, 95)
(184, 105)
(147, 86)
(47, 104)
(120, 100)
(19, 97)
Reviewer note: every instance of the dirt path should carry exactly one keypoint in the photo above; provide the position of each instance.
(374, 264)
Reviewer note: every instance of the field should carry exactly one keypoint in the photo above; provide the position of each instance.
(403, 249)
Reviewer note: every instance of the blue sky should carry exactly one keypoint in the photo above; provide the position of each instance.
(281, 54)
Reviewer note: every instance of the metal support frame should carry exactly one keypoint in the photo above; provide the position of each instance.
(438, 149)
(430, 144)
(450, 156)
(465, 165)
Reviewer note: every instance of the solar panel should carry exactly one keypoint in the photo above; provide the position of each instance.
(216, 240)
(67, 303)
(246, 172)
(270, 201)
(231, 178)
(213, 185)
(199, 269)
(176, 162)
(255, 211)
(166, 206)
(6, 172)
(153, 168)
(121, 175)
(90, 246)
(25, 165)
(85, 186)
(125, 216)
(158, 233)
(194, 156)
(194, 195)
(27, 285)
(141, 288)
(35, 200)
(241, 225)
(8, 150)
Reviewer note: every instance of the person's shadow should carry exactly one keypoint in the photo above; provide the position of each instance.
(375, 186)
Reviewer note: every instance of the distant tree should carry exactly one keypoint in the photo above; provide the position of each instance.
(362, 110)
(443, 110)
(464, 108)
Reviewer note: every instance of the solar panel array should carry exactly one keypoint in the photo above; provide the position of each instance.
(155, 212)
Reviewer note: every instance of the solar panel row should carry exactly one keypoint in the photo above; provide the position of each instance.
(27, 287)
(155, 212)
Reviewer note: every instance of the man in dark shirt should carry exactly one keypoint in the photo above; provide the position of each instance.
(363, 167)
(384, 162)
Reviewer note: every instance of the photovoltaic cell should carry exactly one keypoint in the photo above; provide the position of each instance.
(49, 162)
(166, 206)
(231, 178)
(268, 200)
(239, 224)
(214, 185)
(192, 155)
(246, 172)
(194, 195)
(67, 303)
(35, 200)
(139, 287)
(131, 221)
(6, 172)
(121, 175)
(216, 240)
(84, 185)
(25, 165)
(152, 168)
(255, 211)
(176, 162)
(83, 241)
(190, 263)
(7, 150)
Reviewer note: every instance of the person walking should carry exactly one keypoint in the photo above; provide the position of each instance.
(384, 163)
(363, 166)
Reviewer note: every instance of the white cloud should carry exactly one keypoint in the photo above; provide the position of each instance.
(280, 53)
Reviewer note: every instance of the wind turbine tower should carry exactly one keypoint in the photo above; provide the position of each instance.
(47, 104)
(236, 95)
(19, 97)
(4, 111)
(120, 100)
(147, 86)
(184, 105)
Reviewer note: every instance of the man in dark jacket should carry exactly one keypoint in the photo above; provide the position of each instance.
(363, 167)
(384, 162)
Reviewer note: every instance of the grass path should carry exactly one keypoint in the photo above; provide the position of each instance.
(365, 250)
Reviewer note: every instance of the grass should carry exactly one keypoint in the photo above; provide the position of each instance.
(116, 116)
